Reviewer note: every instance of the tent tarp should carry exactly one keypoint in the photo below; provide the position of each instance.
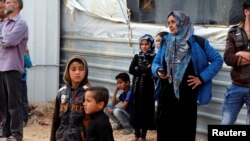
(114, 10)
(215, 12)
(86, 24)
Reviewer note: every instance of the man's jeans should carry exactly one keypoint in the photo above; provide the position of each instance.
(234, 99)
(119, 116)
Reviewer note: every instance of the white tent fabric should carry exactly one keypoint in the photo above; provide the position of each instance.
(114, 10)
(106, 26)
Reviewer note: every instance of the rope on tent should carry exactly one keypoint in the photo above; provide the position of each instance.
(128, 23)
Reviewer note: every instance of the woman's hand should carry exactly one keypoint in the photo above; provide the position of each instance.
(193, 81)
(163, 75)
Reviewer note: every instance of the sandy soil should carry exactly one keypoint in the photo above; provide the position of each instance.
(39, 125)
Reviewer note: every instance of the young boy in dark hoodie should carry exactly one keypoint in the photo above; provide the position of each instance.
(69, 112)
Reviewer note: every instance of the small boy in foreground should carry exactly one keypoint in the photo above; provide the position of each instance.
(99, 127)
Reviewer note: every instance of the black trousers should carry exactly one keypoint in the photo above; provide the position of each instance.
(25, 101)
(11, 104)
(176, 118)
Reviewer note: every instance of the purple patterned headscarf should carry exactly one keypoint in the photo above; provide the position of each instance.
(178, 54)
(185, 27)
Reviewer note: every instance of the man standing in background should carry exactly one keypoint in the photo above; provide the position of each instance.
(1, 11)
(237, 55)
(13, 40)
(27, 64)
(1, 20)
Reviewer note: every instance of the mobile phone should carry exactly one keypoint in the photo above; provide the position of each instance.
(161, 71)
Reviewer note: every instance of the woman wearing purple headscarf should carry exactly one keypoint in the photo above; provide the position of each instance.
(184, 69)
(142, 114)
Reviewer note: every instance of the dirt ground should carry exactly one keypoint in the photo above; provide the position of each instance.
(39, 125)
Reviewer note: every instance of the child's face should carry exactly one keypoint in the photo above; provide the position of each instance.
(76, 73)
(145, 46)
(158, 41)
(121, 84)
(90, 105)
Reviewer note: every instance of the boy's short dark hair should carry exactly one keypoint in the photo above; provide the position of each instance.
(123, 76)
(101, 94)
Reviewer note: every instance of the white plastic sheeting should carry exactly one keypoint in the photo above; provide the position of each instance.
(213, 33)
(87, 25)
(114, 10)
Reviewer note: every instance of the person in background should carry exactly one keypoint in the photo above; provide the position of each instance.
(237, 55)
(99, 127)
(143, 105)
(13, 40)
(68, 116)
(158, 38)
(119, 110)
(185, 69)
(2, 15)
(27, 64)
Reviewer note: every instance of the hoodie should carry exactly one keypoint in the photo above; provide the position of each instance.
(67, 122)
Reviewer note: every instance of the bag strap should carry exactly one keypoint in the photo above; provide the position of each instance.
(200, 40)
